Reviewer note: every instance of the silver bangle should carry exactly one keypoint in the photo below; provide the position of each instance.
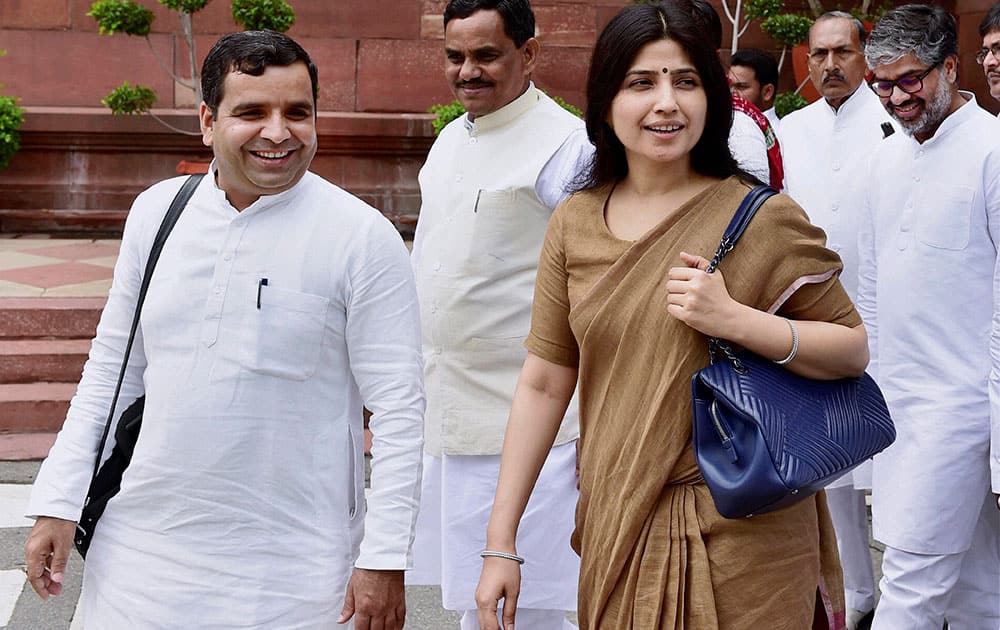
(486, 553)
(795, 344)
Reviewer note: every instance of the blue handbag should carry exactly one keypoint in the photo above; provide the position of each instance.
(765, 438)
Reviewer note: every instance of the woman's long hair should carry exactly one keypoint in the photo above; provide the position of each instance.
(616, 50)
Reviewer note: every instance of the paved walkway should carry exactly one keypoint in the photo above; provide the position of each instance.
(42, 267)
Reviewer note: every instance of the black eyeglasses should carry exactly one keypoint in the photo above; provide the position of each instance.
(981, 55)
(910, 85)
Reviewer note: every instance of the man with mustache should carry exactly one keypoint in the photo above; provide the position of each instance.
(823, 146)
(488, 187)
(280, 307)
(927, 291)
(989, 55)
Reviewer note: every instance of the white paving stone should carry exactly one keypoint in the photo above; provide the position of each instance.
(11, 583)
(13, 502)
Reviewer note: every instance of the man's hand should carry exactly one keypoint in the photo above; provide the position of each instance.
(46, 552)
(376, 600)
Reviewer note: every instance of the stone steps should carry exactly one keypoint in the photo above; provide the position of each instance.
(43, 345)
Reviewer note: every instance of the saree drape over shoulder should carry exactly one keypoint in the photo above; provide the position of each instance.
(655, 554)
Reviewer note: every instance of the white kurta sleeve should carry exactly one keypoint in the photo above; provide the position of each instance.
(748, 146)
(992, 198)
(383, 342)
(61, 486)
(555, 178)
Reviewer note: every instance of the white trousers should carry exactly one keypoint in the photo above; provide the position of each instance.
(455, 505)
(528, 618)
(920, 592)
(850, 520)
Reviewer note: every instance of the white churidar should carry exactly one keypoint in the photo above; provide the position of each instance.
(244, 504)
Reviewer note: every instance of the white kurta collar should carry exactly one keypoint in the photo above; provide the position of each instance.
(505, 114)
(852, 104)
(263, 202)
(955, 119)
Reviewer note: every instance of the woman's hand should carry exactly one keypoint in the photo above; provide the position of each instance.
(500, 579)
(700, 300)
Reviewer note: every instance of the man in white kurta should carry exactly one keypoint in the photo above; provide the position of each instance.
(928, 294)
(825, 147)
(280, 306)
(488, 187)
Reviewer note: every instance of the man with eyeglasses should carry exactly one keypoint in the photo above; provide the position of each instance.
(989, 55)
(928, 268)
(823, 146)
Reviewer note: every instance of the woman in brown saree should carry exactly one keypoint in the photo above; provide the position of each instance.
(622, 303)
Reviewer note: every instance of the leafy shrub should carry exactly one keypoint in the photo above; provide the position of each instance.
(121, 16)
(762, 9)
(787, 29)
(787, 102)
(450, 111)
(11, 117)
(127, 99)
(259, 15)
(184, 6)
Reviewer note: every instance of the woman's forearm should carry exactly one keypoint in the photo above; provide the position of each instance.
(825, 350)
(543, 392)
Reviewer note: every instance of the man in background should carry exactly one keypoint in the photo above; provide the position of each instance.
(488, 187)
(753, 74)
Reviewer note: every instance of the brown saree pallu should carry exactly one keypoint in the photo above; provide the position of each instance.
(655, 554)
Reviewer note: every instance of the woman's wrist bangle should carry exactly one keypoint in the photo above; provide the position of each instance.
(795, 344)
(486, 553)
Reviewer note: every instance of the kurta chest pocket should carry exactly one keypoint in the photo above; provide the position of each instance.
(945, 220)
(285, 334)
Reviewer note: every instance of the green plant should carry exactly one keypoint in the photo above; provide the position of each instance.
(788, 29)
(127, 99)
(447, 112)
(131, 18)
(787, 102)
(11, 118)
(260, 15)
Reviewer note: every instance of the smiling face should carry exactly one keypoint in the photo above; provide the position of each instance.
(660, 109)
(264, 133)
(991, 65)
(921, 112)
(483, 66)
(836, 62)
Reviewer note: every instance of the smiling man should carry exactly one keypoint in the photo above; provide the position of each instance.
(488, 187)
(825, 147)
(928, 272)
(280, 307)
(989, 55)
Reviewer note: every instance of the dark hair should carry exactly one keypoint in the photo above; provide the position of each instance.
(991, 22)
(250, 52)
(927, 31)
(518, 18)
(762, 64)
(844, 15)
(616, 49)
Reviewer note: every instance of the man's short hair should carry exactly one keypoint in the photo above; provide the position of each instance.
(764, 66)
(518, 18)
(991, 22)
(250, 52)
(844, 15)
(927, 31)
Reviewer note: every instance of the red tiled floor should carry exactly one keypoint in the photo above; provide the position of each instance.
(48, 276)
(78, 251)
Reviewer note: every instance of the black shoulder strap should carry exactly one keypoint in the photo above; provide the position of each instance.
(169, 220)
(741, 219)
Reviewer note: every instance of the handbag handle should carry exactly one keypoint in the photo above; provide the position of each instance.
(737, 225)
(169, 220)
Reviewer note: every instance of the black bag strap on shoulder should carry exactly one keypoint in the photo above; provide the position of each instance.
(169, 220)
(741, 219)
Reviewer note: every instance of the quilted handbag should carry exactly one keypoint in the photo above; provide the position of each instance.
(764, 437)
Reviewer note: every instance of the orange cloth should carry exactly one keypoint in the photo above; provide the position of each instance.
(655, 553)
